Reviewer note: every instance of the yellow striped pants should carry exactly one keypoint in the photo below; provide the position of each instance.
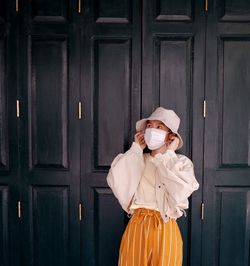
(148, 241)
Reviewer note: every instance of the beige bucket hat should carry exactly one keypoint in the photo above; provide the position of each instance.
(166, 116)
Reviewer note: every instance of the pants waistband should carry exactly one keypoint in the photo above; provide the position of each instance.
(141, 214)
(144, 211)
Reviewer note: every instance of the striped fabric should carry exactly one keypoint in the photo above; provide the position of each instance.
(147, 241)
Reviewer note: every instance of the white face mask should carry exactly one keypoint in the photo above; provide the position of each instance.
(155, 138)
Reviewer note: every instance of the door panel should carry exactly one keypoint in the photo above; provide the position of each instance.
(4, 151)
(50, 137)
(226, 174)
(50, 205)
(110, 11)
(4, 228)
(108, 226)
(9, 176)
(233, 232)
(231, 10)
(45, 10)
(235, 96)
(173, 10)
(49, 147)
(110, 92)
(172, 77)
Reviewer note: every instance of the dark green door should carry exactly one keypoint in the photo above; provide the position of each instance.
(49, 133)
(110, 92)
(226, 158)
(9, 177)
(173, 62)
(119, 59)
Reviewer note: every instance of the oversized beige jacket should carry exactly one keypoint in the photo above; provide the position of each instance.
(175, 180)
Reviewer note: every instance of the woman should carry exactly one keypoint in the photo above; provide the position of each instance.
(154, 188)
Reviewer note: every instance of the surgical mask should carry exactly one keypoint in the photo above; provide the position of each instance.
(154, 138)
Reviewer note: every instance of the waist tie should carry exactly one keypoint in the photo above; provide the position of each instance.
(141, 214)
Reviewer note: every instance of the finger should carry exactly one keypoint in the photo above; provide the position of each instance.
(137, 135)
(142, 141)
(141, 137)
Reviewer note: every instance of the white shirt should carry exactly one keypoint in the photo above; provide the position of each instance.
(145, 196)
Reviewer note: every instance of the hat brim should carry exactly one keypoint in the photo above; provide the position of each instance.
(141, 125)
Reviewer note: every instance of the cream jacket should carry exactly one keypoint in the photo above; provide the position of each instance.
(175, 180)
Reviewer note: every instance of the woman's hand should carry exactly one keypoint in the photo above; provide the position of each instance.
(172, 142)
(139, 139)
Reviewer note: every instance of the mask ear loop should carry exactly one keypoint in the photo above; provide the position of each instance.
(167, 137)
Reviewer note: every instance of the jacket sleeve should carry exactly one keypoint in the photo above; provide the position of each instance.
(125, 174)
(176, 173)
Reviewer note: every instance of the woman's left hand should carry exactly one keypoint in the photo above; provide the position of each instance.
(173, 142)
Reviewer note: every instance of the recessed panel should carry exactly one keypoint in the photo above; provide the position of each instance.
(233, 226)
(49, 103)
(3, 10)
(235, 10)
(50, 212)
(46, 10)
(173, 80)
(4, 242)
(3, 106)
(112, 11)
(109, 226)
(173, 10)
(111, 98)
(234, 71)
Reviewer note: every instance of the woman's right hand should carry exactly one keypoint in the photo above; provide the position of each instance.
(139, 139)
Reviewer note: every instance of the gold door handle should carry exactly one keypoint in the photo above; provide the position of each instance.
(17, 108)
(19, 209)
(79, 6)
(80, 110)
(80, 211)
(206, 5)
(17, 5)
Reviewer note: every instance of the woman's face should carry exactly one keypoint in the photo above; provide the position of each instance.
(159, 125)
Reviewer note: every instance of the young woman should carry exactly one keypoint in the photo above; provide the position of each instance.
(153, 188)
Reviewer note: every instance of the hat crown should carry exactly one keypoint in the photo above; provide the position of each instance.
(167, 116)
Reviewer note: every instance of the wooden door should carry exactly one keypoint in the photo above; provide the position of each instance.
(9, 174)
(226, 158)
(173, 59)
(110, 92)
(49, 133)
(120, 59)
